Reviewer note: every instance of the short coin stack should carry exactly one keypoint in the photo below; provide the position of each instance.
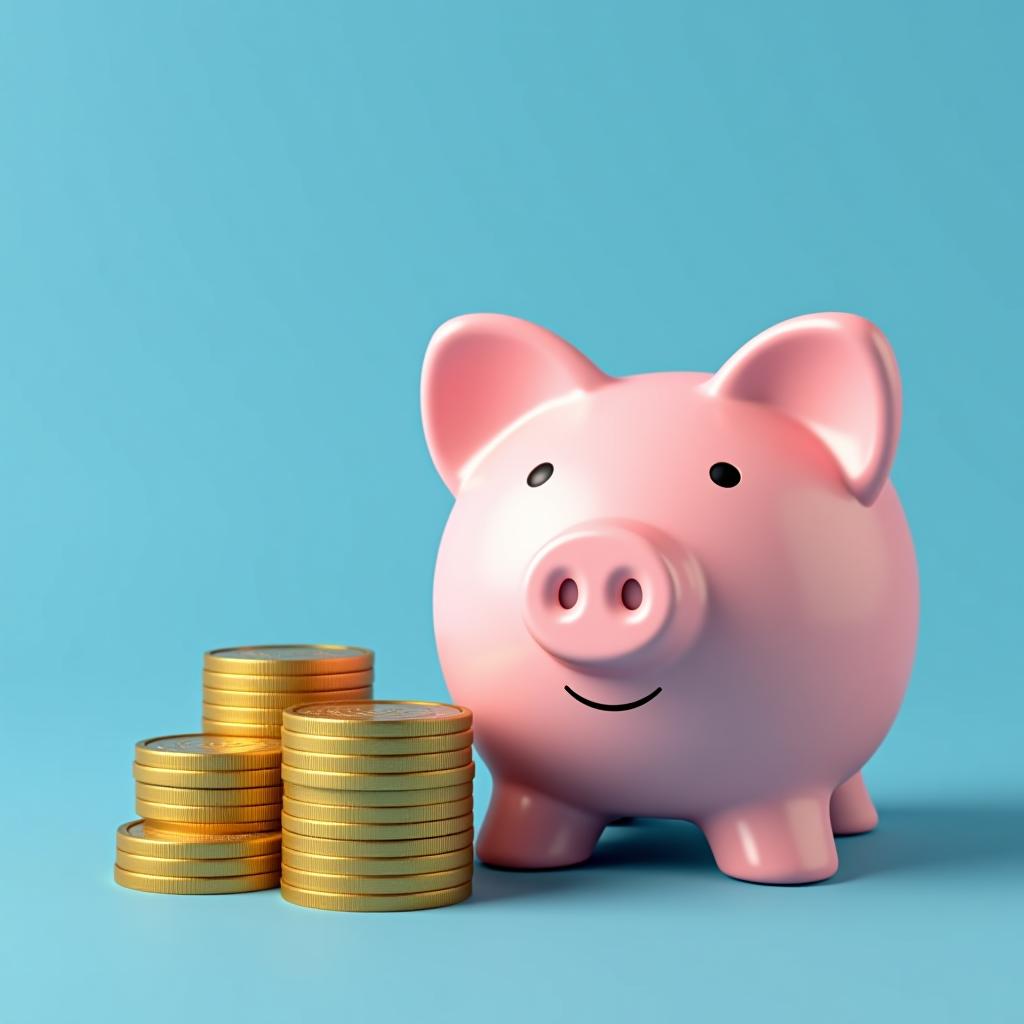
(378, 805)
(210, 808)
(245, 689)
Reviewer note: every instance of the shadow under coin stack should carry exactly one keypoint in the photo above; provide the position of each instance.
(378, 805)
(245, 689)
(211, 813)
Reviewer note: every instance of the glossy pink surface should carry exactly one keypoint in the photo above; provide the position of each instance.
(746, 647)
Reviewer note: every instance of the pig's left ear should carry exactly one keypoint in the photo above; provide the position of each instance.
(835, 374)
(481, 374)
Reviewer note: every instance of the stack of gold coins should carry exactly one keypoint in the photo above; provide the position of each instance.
(378, 805)
(245, 689)
(211, 816)
(152, 859)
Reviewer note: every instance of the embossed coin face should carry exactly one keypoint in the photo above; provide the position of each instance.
(209, 752)
(148, 830)
(378, 717)
(203, 743)
(379, 711)
(287, 652)
(288, 659)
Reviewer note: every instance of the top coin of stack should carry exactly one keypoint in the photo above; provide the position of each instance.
(245, 689)
(378, 805)
(211, 810)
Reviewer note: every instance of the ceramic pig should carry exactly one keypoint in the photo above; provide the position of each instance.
(674, 595)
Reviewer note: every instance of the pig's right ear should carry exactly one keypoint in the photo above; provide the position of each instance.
(481, 374)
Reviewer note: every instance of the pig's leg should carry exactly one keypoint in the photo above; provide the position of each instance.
(779, 842)
(526, 829)
(852, 810)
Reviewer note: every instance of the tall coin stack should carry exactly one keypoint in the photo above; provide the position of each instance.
(378, 805)
(211, 812)
(245, 689)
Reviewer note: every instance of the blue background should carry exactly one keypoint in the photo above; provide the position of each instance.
(227, 231)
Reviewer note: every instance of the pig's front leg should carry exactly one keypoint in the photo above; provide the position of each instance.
(526, 829)
(851, 809)
(785, 841)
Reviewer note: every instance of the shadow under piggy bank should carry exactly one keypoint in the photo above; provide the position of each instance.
(950, 838)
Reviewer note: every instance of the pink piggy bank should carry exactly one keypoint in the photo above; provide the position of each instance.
(674, 595)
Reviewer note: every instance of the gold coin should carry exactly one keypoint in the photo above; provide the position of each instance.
(208, 797)
(258, 716)
(206, 815)
(371, 763)
(376, 833)
(225, 829)
(275, 701)
(207, 867)
(370, 745)
(241, 716)
(195, 886)
(376, 885)
(145, 839)
(205, 780)
(366, 781)
(377, 815)
(378, 797)
(379, 718)
(288, 684)
(362, 848)
(406, 901)
(233, 729)
(288, 659)
(203, 752)
(377, 865)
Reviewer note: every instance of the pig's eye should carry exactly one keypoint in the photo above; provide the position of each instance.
(540, 474)
(725, 474)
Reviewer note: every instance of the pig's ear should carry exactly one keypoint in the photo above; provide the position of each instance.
(481, 374)
(834, 373)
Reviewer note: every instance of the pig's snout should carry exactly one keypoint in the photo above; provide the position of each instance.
(603, 594)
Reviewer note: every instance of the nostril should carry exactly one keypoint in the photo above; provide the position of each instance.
(632, 594)
(568, 593)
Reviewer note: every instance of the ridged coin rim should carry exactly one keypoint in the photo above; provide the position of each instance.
(368, 848)
(376, 815)
(376, 885)
(371, 745)
(261, 716)
(375, 904)
(377, 797)
(183, 796)
(170, 885)
(319, 864)
(376, 764)
(198, 867)
(185, 779)
(241, 730)
(376, 832)
(207, 815)
(362, 679)
(275, 701)
(363, 781)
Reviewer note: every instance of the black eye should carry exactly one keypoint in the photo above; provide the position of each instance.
(725, 474)
(540, 474)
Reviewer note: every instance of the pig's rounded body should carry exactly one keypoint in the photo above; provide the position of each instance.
(773, 620)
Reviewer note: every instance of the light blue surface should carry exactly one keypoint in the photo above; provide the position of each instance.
(226, 233)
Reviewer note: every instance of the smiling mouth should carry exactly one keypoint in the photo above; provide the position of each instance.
(613, 707)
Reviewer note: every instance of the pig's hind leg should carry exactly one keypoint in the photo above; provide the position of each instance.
(851, 808)
(784, 841)
(527, 829)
